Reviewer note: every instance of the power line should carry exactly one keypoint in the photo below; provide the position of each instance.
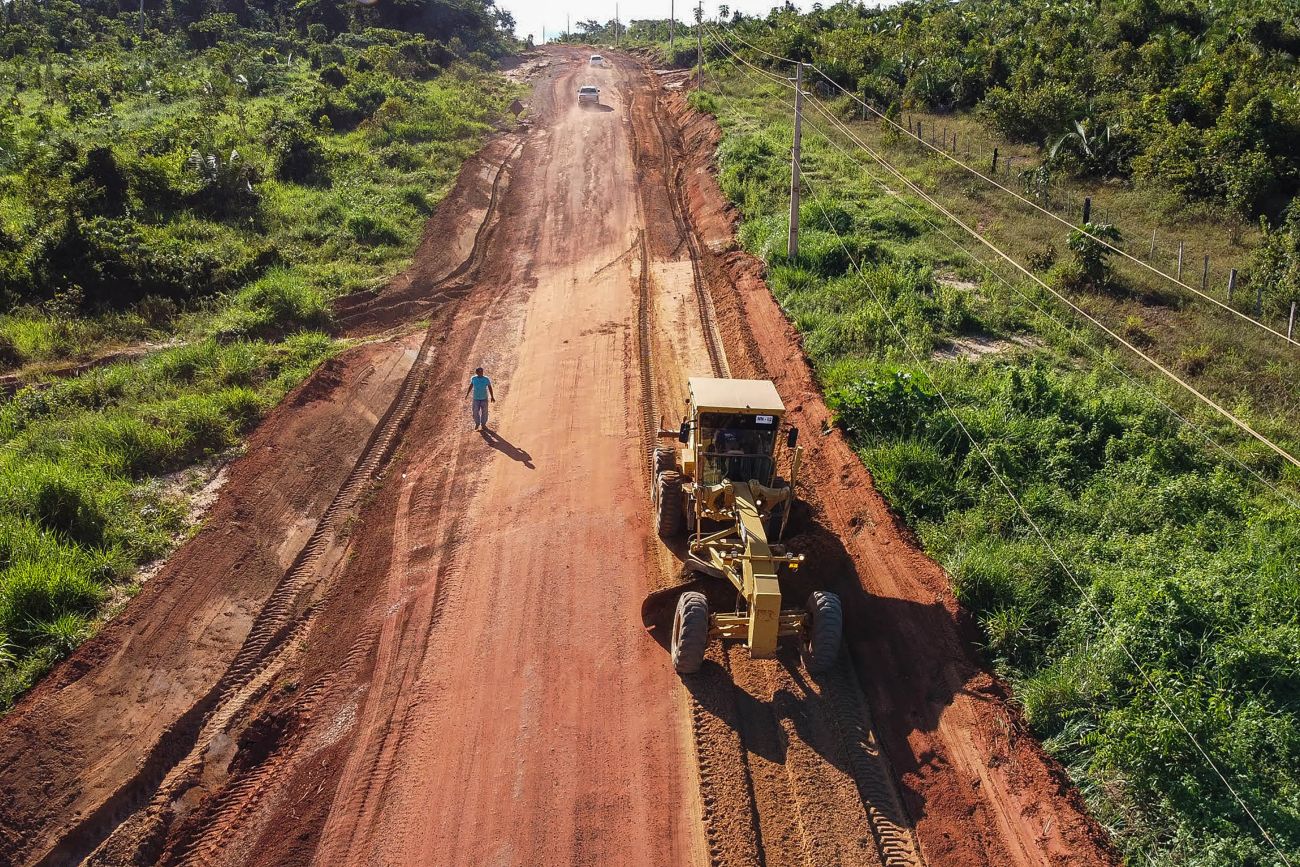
(989, 270)
(1285, 455)
(1034, 524)
(1083, 594)
(974, 171)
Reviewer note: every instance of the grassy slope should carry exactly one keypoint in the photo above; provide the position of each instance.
(1185, 560)
(81, 504)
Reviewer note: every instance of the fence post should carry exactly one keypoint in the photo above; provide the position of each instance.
(919, 137)
(1180, 261)
(1232, 282)
(954, 141)
(1205, 275)
(1153, 244)
(1087, 209)
(1290, 323)
(995, 161)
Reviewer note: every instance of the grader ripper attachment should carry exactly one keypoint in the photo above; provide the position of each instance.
(721, 488)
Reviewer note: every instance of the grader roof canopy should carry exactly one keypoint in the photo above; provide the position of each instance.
(758, 395)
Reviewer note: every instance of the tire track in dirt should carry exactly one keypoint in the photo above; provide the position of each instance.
(140, 805)
(763, 736)
(976, 789)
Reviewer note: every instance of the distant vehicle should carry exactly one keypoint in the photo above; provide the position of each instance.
(597, 60)
(588, 93)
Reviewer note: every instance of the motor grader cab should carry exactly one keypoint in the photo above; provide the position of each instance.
(721, 488)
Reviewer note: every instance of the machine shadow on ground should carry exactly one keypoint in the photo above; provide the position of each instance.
(918, 657)
(878, 631)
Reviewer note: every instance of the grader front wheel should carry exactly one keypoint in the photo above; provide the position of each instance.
(690, 632)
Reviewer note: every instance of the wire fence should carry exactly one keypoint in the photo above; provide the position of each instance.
(1159, 245)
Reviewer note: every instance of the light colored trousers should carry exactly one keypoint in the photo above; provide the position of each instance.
(480, 413)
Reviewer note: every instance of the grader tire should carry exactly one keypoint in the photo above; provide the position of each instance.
(669, 519)
(665, 459)
(825, 631)
(690, 632)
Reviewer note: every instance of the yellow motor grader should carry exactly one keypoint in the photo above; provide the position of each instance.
(721, 488)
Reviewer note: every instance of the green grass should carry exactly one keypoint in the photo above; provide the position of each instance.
(77, 512)
(1182, 557)
(221, 257)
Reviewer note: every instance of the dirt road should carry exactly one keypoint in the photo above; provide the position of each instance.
(400, 641)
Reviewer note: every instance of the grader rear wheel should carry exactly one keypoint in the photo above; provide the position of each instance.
(669, 518)
(825, 631)
(690, 632)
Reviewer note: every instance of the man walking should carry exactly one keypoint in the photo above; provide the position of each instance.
(480, 388)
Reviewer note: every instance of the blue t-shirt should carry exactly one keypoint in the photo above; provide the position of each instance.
(480, 384)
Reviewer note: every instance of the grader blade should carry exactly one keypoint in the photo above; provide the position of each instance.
(657, 608)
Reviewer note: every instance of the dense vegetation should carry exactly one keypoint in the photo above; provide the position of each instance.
(1171, 550)
(1194, 95)
(1199, 100)
(203, 182)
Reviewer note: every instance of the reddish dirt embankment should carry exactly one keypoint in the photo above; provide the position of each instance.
(978, 788)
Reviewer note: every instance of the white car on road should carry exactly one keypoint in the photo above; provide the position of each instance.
(597, 60)
(588, 93)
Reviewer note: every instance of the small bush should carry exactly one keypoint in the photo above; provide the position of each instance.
(9, 354)
(416, 197)
(703, 102)
(1194, 359)
(33, 594)
(279, 303)
(297, 152)
(371, 230)
(59, 498)
(896, 404)
(914, 477)
(1042, 260)
(1135, 331)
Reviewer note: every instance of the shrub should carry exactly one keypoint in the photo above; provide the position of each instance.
(1194, 359)
(33, 594)
(59, 498)
(1136, 332)
(1043, 259)
(1033, 115)
(371, 230)
(914, 477)
(280, 302)
(9, 354)
(297, 152)
(894, 405)
(703, 102)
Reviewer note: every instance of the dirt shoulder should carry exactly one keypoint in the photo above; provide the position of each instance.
(977, 787)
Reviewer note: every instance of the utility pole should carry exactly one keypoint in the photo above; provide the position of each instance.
(699, 47)
(672, 24)
(792, 246)
(616, 24)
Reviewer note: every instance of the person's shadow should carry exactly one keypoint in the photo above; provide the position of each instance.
(496, 441)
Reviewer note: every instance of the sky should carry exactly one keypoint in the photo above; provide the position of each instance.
(532, 15)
